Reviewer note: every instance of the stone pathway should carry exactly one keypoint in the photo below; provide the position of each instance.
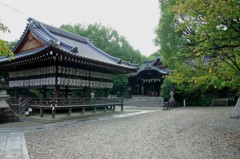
(13, 146)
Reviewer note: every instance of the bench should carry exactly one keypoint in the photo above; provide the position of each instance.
(220, 102)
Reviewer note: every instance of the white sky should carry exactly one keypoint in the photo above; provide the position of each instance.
(134, 19)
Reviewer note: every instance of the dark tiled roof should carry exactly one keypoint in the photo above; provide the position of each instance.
(22, 54)
(69, 43)
(149, 66)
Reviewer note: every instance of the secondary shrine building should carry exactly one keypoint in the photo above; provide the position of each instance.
(49, 58)
(148, 79)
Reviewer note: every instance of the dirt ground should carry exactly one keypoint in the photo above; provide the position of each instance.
(191, 132)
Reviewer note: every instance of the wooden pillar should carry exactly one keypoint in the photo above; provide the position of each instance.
(95, 110)
(16, 95)
(105, 109)
(44, 92)
(85, 95)
(83, 111)
(41, 112)
(122, 108)
(66, 92)
(53, 112)
(57, 91)
(106, 92)
(114, 108)
(69, 112)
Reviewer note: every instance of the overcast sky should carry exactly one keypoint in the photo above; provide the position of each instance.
(134, 19)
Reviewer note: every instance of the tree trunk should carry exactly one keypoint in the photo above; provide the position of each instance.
(236, 110)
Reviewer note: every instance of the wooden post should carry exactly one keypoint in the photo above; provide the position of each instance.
(53, 112)
(105, 109)
(83, 111)
(95, 109)
(44, 92)
(85, 95)
(41, 112)
(106, 92)
(113, 108)
(16, 95)
(66, 91)
(56, 95)
(122, 108)
(69, 112)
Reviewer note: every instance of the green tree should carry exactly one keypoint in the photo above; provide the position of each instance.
(202, 44)
(108, 40)
(167, 38)
(4, 49)
(212, 29)
(120, 83)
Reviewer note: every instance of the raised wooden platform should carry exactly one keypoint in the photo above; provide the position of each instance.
(74, 103)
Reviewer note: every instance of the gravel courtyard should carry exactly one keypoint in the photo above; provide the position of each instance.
(181, 133)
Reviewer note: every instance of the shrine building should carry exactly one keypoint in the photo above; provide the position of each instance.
(54, 60)
(148, 79)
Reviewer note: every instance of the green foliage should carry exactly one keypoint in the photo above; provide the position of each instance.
(4, 49)
(210, 29)
(167, 38)
(155, 55)
(120, 83)
(108, 40)
(4, 28)
(165, 89)
(12, 44)
(201, 45)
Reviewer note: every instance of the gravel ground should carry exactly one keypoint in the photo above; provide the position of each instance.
(182, 133)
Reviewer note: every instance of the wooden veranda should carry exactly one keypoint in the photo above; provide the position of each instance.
(68, 104)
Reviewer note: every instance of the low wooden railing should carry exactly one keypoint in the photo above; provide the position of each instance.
(74, 103)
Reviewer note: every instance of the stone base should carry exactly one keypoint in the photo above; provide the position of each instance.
(7, 116)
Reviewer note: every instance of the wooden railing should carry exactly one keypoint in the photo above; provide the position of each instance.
(20, 105)
(73, 101)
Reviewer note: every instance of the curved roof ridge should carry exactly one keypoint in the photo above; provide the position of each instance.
(61, 32)
(151, 68)
(148, 61)
(130, 64)
(52, 39)
(103, 53)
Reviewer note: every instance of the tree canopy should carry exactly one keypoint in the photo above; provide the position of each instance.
(4, 49)
(200, 42)
(108, 40)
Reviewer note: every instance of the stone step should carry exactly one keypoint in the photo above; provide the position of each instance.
(8, 116)
(144, 101)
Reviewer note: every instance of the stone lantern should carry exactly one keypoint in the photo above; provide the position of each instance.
(6, 113)
(171, 101)
(3, 93)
